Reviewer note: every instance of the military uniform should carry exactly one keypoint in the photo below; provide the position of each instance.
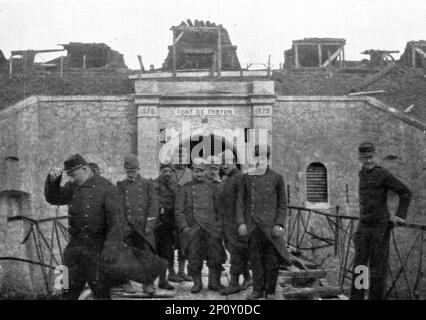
(371, 239)
(141, 211)
(92, 210)
(234, 243)
(262, 205)
(197, 208)
(164, 234)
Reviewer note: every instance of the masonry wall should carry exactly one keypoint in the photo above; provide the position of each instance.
(326, 130)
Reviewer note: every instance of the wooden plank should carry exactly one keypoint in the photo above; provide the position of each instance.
(413, 57)
(174, 56)
(10, 66)
(312, 293)
(219, 52)
(420, 52)
(375, 77)
(319, 55)
(199, 50)
(332, 57)
(296, 56)
(366, 92)
(61, 67)
(178, 37)
(305, 274)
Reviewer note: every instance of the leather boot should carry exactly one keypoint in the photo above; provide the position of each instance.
(181, 272)
(233, 286)
(255, 295)
(214, 281)
(149, 289)
(163, 283)
(248, 281)
(173, 276)
(198, 284)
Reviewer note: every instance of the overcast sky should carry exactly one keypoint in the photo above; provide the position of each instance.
(258, 28)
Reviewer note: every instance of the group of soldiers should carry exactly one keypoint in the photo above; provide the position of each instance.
(131, 231)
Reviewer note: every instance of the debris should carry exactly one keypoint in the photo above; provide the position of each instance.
(315, 52)
(375, 77)
(414, 55)
(312, 293)
(197, 46)
(365, 93)
(97, 55)
(409, 109)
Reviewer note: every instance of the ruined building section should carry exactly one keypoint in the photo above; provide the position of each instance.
(315, 52)
(414, 55)
(201, 45)
(92, 55)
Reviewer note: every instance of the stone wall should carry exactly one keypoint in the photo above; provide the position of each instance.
(329, 130)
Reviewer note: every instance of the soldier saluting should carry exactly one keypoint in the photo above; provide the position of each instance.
(92, 208)
(200, 224)
(261, 214)
(371, 239)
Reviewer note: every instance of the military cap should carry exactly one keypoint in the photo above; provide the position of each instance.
(366, 148)
(93, 166)
(213, 161)
(166, 165)
(74, 162)
(257, 151)
(227, 156)
(131, 161)
(199, 163)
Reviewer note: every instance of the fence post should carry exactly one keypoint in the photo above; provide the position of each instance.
(10, 66)
(61, 67)
(336, 233)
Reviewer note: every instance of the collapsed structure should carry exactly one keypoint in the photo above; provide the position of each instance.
(315, 52)
(414, 55)
(201, 45)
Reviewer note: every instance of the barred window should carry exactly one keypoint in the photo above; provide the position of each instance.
(316, 183)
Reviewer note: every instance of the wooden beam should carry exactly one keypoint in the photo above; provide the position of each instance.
(176, 40)
(420, 52)
(219, 52)
(84, 61)
(61, 67)
(10, 66)
(312, 293)
(361, 93)
(174, 55)
(374, 77)
(319, 55)
(413, 57)
(332, 57)
(296, 56)
(269, 65)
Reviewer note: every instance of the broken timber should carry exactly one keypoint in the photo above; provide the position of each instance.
(313, 293)
(375, 77)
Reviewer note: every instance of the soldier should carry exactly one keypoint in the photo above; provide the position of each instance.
(166, 188)
(95, 168)
(141, 210)
(92, 209)
(213, 167)
(234, 243)
(371, 240)
(199, 221)
(261, 214)
(182, 175)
